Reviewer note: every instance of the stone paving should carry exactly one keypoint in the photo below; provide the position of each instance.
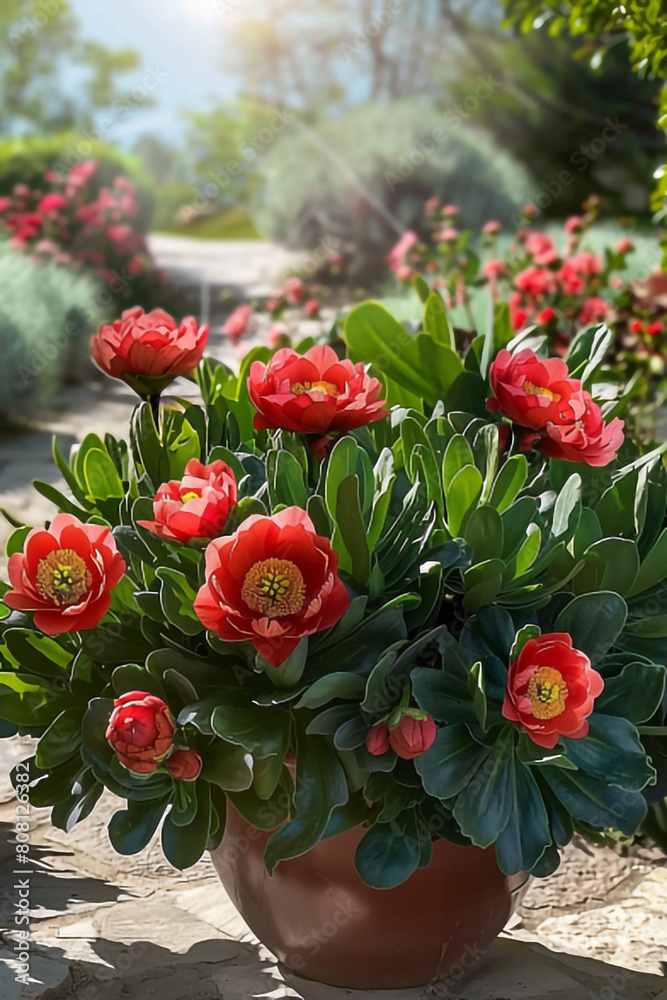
(112, 928)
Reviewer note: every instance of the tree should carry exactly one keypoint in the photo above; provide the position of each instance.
(37, 39)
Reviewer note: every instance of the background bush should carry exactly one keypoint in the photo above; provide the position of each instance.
(47, 315)
(318, 182)
(27, 159)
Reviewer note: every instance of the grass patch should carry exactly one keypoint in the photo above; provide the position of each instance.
(234, 224)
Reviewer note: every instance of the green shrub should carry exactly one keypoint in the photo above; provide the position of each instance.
(26, 159)
(47, 315)
(356, 180)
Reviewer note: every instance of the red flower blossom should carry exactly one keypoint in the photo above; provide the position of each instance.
(654, 328)
(551, 688)
(396, 257)
(377, 739)
(238, 323)
(451, 210)
(594, 310)
(526, 389)
(624, 245)
(197, 507)
(446, 235)
(184, 765)
(540, 396)
(492, 227)
(148, 344)
(580, 433)
(141, 730)
(313, 393)
(413, 736)
(52, 203)
(430, 205)
(535, 281)
(65, 575)
(405, 273)
(272, 582)
(311, 308)
(541, 248)
(574, 224)
(546, 315)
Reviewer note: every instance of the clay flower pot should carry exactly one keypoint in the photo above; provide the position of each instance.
(318, 917)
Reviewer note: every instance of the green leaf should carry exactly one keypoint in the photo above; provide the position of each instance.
(484, 531)
(525, 838)
(594, 621)
(386, 857)
(101, 476)
(421, 365)
(653, 569)
(435, 320)
(262, 731)
(522, 637)
(28, 700)
(61, 740)
(458, 455)
(451, 763)
(611, 752)
(350, 528)
(597, 803)
(336, 685)
(37, 653)
(509, 482)
(132, 829)
(183, 846)
(227, 765)
(462, 496)
(635, 694)
(483, 583)
(177, 598)
(484, 807)
(320, 786)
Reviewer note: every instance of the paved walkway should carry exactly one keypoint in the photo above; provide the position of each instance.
(110, 928)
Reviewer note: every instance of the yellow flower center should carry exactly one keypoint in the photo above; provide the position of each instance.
(274, 587)
(540, 390)
(190, 496)
(63, 577)
(298, 388)
(548, 692)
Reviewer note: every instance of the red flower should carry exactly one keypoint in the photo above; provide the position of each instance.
(430, 205)
(624, 245)
(654, 328)
(551, 688)
(65, 575)
(413, 736)
(584, 263)
(313, 393)
(636, 326)
(184, 765)
(405, 273)
(546, 315)
(574, 224)
(148, 344)
(451, 210)
(197, 507)
(541, 248)
(311, 308)
(526, 389)
(377, 739)
(594, 310)
(295, 291)
(396, 257)
(492, 227)
(446, 235)
(52, 202)
(238, 323)
(580, 433)
(141, 730)
(535, 281)
(272, 582)
(540, 396)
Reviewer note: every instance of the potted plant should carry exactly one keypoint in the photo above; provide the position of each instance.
(380, 633)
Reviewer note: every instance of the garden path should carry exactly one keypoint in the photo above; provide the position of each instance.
(109, 928)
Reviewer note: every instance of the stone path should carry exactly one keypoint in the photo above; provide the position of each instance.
(111, 928)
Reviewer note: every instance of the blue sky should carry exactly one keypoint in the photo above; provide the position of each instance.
(181, 38)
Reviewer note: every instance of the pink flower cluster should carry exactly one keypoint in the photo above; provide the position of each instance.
(81, 223)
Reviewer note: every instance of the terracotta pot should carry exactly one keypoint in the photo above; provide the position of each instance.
(319, 919)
